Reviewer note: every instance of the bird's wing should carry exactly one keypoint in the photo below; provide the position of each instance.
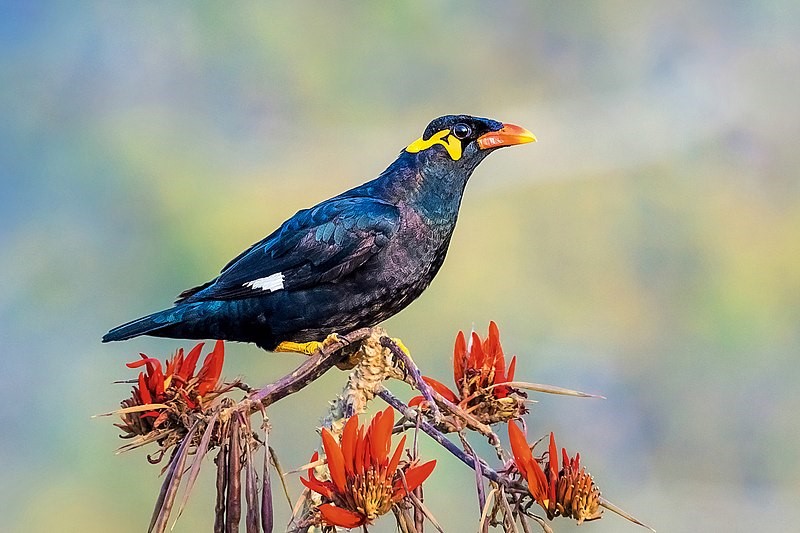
(317, 245)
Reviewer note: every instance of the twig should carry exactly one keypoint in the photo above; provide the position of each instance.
(412, 370)
(312, 368)
(433, 398)
(439, 437)
(508, 520)
(478, 470)
(419, 506)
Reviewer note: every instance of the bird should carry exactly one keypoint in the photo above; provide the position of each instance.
(349, 262)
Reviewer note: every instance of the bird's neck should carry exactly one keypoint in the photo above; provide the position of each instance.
(433, 191)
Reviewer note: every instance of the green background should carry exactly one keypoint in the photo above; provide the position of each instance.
(647, 248)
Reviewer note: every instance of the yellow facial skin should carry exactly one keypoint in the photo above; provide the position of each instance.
(450, 143)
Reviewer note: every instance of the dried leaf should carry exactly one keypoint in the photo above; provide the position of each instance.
(233, 507)
(483, 525)
(624, 514)
(142, 440)
(222, 480)
(549, 389)
(134, 409)
(251, 491)
(199, 454)
(166, 498)
(267, 512)
(273, 457)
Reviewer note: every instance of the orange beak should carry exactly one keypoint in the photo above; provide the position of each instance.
(508, 135)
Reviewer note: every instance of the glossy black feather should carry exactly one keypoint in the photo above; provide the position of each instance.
(317, 245)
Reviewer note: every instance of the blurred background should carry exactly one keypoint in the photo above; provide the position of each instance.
(647, 248)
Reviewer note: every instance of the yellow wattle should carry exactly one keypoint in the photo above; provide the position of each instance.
(450, 143)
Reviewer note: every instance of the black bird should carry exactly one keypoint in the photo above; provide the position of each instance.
(349, 262)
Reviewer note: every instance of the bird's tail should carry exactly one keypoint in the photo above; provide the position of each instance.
(153, 324)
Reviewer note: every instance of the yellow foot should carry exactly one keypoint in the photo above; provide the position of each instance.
(306, 348)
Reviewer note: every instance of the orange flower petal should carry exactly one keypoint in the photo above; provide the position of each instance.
(494, 334)
(523, 457)
(381, 436)
(335, 460)
(189, 365)
(155, 377)
(336, 516)
(495, 353)
(314, 459)
(528, 467)
(212, 369)
(416, 400)
(476, 355)
(358, 464)
(318, 486)
(511, 369)
(137, 364)
(174, 362)
(395, 460)
(538, 485)
(414, 478)
(349, 436)
(418, 474)
(552, 457)
(144, 392)
(459, 358)
(441, 389)
(552, 465)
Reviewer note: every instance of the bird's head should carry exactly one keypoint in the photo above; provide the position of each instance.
(460, 142)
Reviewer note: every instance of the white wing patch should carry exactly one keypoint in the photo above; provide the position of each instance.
(271, 283)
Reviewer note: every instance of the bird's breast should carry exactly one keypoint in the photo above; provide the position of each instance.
(416, 251)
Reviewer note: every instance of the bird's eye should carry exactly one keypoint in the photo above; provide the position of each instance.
(462, 131)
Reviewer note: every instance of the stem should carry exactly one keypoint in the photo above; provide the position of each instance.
(412, 369)
(439, 437)
(311, 369)
(435, 399)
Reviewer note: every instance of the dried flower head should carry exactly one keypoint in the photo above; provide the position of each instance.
(162, 395)
(365, 481)
(479, 372)
(568, 492)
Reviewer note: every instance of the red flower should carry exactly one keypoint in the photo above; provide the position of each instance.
(479, 372)
(176, 388)
(365, 481)
(568, 492)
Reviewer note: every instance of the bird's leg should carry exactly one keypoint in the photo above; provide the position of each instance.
(307, 348)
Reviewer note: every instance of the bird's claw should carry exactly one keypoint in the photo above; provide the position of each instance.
(308, 348)
(305, 348)
(333, 338)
